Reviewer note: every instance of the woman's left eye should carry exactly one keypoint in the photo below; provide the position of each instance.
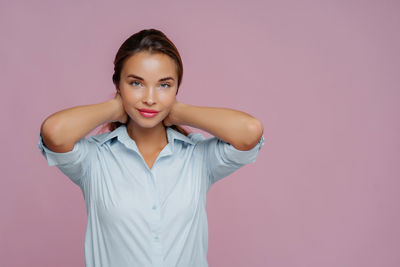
(166, 84)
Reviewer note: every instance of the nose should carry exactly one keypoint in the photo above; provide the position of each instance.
(149, 96)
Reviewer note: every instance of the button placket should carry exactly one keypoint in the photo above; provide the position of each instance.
(155, 210)
(157, 244)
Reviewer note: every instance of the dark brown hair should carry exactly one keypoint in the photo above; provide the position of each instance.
(152, 41)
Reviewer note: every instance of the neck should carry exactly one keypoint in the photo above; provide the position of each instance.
(154, 138)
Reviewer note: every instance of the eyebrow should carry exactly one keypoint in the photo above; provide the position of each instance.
(140, 78)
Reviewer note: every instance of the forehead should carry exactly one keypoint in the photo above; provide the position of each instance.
(148, 65)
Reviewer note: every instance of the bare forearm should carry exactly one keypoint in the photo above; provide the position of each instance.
(63, 128)
(236, 127)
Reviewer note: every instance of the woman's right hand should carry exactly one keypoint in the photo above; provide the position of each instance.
(121, 115)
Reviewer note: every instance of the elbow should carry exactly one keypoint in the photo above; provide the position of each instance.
(50, 132)
(49, 135)
(255, 130)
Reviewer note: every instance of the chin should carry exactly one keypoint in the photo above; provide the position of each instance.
(145, 123)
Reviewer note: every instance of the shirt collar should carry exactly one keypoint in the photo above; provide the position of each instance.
(122, 134)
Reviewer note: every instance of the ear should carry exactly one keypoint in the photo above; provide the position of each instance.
(117, 88)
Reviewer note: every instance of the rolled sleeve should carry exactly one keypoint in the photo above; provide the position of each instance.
(75, 163)
(222, 158)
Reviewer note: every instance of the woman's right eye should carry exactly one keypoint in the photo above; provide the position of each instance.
(135, 82)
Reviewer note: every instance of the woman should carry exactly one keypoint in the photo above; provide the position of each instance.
(145, 181)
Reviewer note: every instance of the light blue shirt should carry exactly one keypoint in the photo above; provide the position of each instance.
(147, 217)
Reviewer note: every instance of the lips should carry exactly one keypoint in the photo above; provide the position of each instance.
(148, 110)
(148, 113)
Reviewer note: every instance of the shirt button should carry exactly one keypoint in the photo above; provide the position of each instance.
(154, 207)
(156, 238)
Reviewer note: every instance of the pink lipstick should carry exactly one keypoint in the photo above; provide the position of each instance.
(148, 113)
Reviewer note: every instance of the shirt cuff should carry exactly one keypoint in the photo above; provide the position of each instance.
(56, 158)
(244, 156)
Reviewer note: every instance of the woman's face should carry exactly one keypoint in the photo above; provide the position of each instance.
(148, 81)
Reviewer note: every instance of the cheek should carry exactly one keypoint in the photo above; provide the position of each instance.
(131, 97)
(168, 98)
(168, 104)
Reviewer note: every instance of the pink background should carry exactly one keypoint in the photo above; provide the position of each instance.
(322, 76)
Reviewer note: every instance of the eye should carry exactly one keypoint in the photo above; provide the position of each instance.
(166, 84)
(135, 82)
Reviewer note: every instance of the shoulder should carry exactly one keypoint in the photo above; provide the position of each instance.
(100, 138)
(196, 137)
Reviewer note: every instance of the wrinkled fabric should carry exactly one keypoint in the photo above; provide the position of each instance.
(147, 217)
